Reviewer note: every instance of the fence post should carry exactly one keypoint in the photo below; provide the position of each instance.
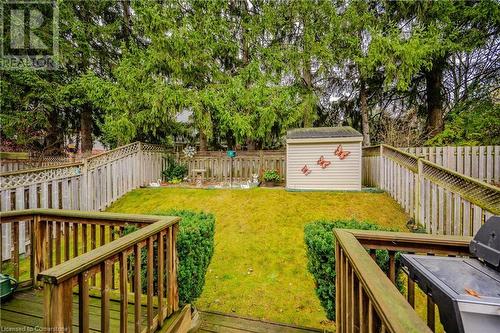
(84, 189)
(261, 163)
(381, 179)
(141, 165)
(418, 190)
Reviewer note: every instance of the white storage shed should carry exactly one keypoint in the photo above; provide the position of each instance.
(323, 158)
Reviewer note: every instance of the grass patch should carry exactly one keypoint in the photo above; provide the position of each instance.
(259, 267)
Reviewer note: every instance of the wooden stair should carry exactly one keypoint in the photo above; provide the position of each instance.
(230, 323)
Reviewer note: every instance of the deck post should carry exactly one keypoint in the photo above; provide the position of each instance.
(338, 287)
(57, 306)
(36, 246)
(172, 290)
(175, 261)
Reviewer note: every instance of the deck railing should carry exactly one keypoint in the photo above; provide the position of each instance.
(367, 300)
(90, 251)
(442, 200)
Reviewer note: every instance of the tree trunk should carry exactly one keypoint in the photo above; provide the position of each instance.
(363, 108)
(86, 131)
(434, 85)
(126, 20)
(53, 140)
(203, 141)
(307, 80)
(244, 32)
(251, 145)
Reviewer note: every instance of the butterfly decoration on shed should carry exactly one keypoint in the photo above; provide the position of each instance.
(322, 162)
(305, 170)
(341, 153)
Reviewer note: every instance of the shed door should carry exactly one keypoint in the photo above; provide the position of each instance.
(339, 175)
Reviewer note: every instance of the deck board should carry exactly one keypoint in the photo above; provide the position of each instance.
(230, 323)
(25, 308)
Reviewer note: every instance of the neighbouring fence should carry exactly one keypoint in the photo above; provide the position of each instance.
(10, 162)
(442, 200)
(217, 165)
(481, 162)
(90, 185)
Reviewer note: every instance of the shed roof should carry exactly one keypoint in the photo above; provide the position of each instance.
(323, 132)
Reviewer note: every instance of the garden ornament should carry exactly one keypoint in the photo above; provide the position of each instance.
(189, 151)
(341, 153)
(322, 162)
(157, 184)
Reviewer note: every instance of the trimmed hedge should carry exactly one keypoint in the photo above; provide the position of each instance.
(320, 245)
(195, 247)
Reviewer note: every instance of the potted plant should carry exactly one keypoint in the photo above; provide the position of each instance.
(271, 178)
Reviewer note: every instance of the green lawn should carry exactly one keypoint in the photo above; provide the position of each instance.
(259, 268)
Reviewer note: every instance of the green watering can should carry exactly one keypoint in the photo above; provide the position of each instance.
(7, 286)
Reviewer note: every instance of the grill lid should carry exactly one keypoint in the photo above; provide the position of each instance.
(486, 244)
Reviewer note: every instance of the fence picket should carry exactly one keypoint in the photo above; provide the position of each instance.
(217, 165)
(21, 204)
(481, 162)
(89, 185)
(446, 202)
(489, 164)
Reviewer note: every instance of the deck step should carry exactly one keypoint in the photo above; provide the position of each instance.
(178, 322)
(230, 323)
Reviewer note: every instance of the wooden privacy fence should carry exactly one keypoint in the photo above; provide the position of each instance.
(444, 201)
(481, 162)
(90, 185)
(217, 165)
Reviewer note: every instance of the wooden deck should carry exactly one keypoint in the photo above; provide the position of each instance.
(25, 309)
(229, 323)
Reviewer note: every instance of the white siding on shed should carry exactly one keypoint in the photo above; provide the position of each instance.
(339, 175)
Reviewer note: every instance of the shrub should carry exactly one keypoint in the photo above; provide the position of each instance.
(195, 247)
(320, 245)
(272, 176)
(175, 171)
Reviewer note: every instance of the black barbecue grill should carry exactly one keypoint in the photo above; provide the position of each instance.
(466, 290)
